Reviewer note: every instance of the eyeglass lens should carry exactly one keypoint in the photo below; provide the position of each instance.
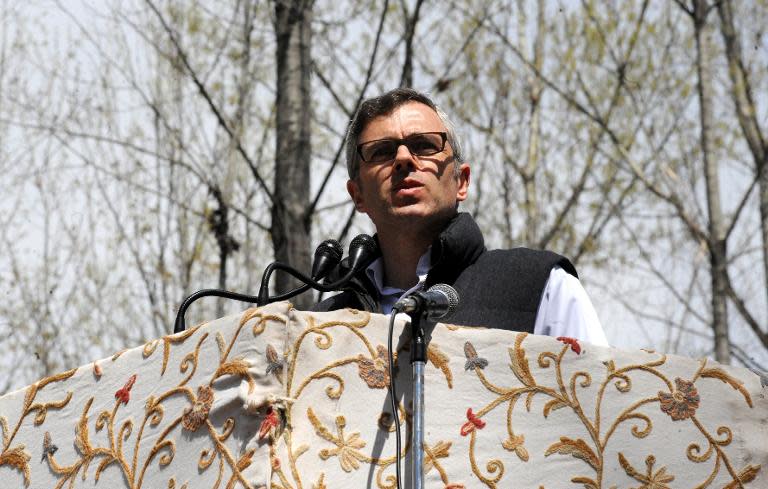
(424, 144)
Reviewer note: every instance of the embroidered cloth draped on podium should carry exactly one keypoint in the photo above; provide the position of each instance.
(280, 398)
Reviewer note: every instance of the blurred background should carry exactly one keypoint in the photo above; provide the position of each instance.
(152, 148)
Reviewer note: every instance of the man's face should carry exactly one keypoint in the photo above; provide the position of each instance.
(423, 189)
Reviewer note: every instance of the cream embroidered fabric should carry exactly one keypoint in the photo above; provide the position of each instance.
(280, 398)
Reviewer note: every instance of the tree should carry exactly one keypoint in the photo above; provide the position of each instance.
(746, 112)
(170, 146)
(291, 225)
(715, 237)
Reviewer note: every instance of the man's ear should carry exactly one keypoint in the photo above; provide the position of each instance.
(353, 188)
(463, 187)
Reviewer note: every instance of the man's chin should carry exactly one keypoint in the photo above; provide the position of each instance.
(413, 211)
(422, 214)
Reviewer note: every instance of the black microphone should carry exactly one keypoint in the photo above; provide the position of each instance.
(363, 250)
(439, 302)
(327, 256)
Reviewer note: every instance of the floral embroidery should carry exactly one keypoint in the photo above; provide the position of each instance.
(273, 423)
(440, 360)
(320, 484)
(124, 393)
(274, 363)
(575, 347)
(193, 418)
(347, 451)
(17, 458)
(472, 423)
(351, 443)
(346, 447)
(682, 402)
(48, 447)
(658, 480)
(374, 371)
(473, 361)
(515, 444)
(386, 421)
(651, 479)
(440, 450)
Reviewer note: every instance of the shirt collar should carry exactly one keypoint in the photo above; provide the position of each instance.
(375, 272)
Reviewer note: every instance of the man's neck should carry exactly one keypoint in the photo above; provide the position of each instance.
(401, 252)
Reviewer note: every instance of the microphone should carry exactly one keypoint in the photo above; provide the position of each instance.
(327, 256)
(439, 302)
(362, 251)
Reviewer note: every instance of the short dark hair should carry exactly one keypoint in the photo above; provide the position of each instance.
(386, 104)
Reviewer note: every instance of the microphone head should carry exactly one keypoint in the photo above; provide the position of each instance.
(330, 248)
(362, 251)
(327, 255)
(453, 300)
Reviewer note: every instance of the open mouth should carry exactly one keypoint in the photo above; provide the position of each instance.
(408, 184)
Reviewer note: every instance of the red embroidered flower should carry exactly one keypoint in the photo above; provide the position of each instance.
(472, 423)
(682, 402)
(571, 341)
(124, 393)
(194, 418)
(269, 424)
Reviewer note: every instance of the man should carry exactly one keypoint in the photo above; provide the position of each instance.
(408, 174)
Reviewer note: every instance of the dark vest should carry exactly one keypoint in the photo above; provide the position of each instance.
(497, 289)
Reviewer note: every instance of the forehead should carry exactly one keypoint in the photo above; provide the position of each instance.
(409, 118)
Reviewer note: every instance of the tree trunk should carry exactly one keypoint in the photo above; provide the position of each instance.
(220, 218)
(290, 225)
(406, 78)
(741, 93)
(716, 225)
(531, 229)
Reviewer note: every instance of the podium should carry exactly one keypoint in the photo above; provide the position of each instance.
(279, 398)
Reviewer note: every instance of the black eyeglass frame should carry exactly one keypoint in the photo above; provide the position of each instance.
(400, 142)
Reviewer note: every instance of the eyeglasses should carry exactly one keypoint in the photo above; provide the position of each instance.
(420, 144)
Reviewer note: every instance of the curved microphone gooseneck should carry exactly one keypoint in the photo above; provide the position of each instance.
(179, 324)
(362, 251)
(327, 256)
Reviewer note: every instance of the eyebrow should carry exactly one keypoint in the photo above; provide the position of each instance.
(401, 138)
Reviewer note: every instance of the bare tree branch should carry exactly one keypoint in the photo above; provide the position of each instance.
(368, 74)
(214, 109)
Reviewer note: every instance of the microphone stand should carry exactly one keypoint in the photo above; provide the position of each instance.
(418, 362)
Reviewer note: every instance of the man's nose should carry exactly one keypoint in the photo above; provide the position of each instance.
(405, 159)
